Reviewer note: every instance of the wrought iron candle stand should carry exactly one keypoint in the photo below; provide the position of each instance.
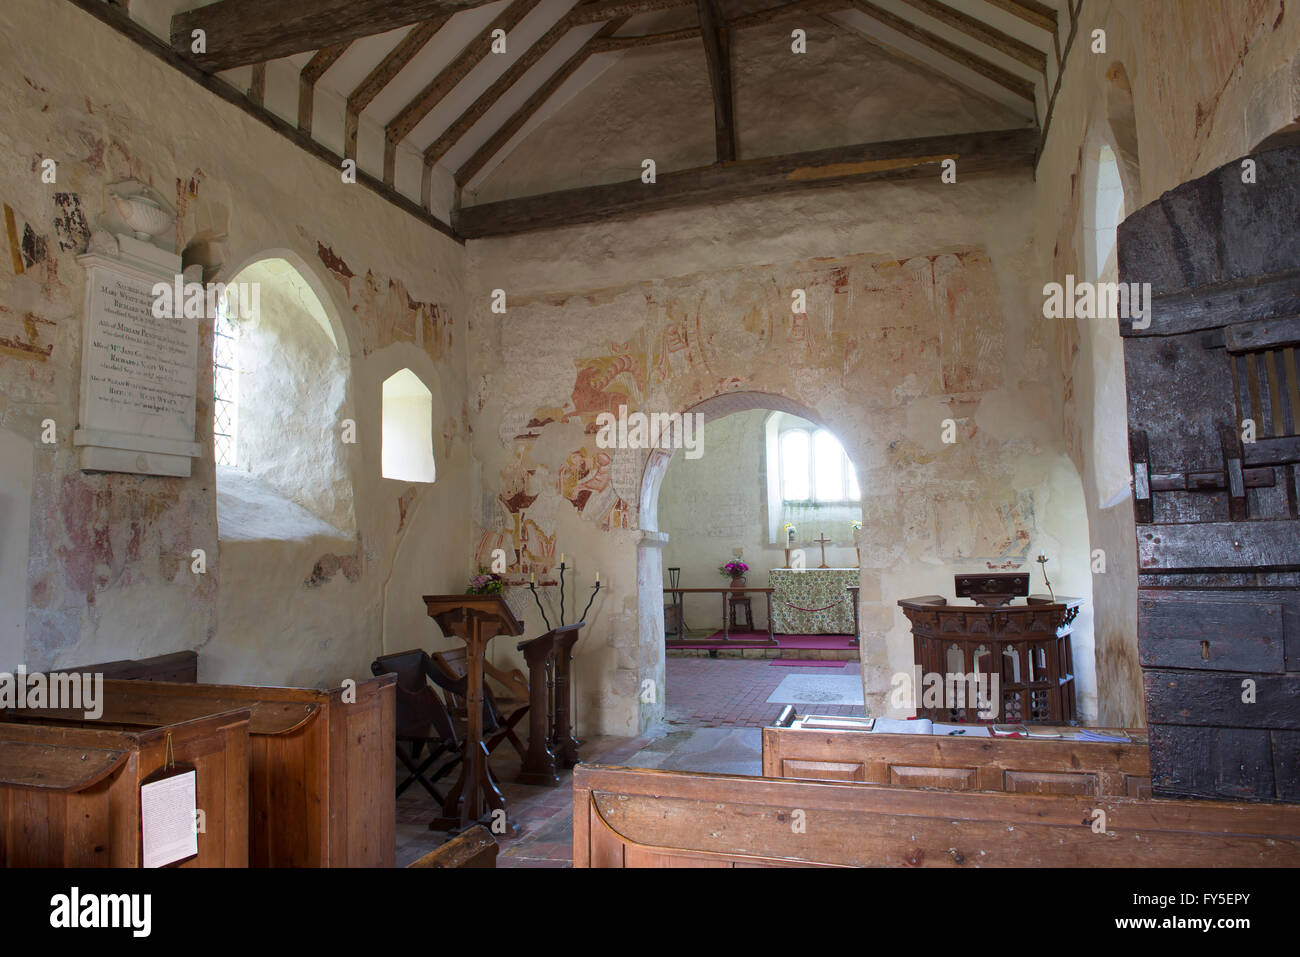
(532, 587)
(561, 743)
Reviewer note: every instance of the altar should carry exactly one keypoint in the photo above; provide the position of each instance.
(813, 601)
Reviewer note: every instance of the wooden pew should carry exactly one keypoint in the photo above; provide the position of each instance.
(625, 817)
(177, 666)
(70, 796)
(321, 773)
(475, 847)
(1017, 765)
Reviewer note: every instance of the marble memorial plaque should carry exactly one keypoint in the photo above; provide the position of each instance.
(138, 370)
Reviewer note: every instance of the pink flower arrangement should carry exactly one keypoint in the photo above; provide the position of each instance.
(734, 568)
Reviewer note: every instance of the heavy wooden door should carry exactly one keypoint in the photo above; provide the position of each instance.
(1214, 417)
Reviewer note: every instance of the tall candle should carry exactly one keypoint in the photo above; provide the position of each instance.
(532, 578)
(597, 578)
(561, 558)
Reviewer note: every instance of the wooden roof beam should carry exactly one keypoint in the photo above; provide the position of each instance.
(239, 32)
(497, 141)
(598, 11)
(463, 123)
(614, 44)
(717, 50)
(307, 77)
(981, 32)
(768, 14)
(999, 150)
(442, 84)
(1007, 80)
(378, 78)
(1031, 11)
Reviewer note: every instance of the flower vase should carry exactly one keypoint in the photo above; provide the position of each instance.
(738, 583)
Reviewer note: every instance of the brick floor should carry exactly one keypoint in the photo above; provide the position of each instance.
(701, 693)
(733, 692)
(542, 818)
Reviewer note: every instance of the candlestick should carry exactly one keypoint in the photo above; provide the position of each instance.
(532, 587)
(594, 592)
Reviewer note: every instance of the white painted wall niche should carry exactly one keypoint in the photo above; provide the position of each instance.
(407, 429)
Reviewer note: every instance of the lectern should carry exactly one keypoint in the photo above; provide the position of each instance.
(475, 620)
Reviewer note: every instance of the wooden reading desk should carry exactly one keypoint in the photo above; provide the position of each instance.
(475, 620)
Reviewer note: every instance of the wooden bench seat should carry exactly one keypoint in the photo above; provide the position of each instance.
(321, 773)
(70, 795)
(625, 817)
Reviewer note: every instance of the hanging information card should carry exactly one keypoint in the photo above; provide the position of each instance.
(139, 351)
(168, 811)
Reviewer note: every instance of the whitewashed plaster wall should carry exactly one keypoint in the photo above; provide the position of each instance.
(932, 319)
(668, 309)
(1209, 83)
(109, 558)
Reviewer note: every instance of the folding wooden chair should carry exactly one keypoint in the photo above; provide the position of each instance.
(422, 720)
(500, 712)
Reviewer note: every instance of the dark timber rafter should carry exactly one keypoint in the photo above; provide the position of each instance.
(615, 11)
(313, 71)
(382, 75)
(116, 18)
(497, 141)
(499, 87)
(239, 32)
(1030, 56)
(1036, 14)
(722, 182)
(717, 50)
(606, 42)
(420, 107)
(1004, 78)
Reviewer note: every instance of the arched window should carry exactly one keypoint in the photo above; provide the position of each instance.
(407, 452)
(815, 468)
(1108, 210)
(225, 385)
(279, 407)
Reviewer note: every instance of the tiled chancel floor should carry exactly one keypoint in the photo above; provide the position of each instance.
(733, 693)
(714, 712)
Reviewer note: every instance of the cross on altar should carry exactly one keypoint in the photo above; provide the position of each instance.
(823, 541)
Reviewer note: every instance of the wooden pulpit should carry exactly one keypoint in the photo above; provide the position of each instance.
(475, 620)
(1026, 648)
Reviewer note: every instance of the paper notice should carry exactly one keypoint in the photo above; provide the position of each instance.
(167, 813)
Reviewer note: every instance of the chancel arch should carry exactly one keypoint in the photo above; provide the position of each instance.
(721, 507)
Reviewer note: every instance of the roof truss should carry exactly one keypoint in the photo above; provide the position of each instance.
(252, 32)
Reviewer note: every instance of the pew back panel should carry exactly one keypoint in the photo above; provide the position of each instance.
(627, 817)
(70, 796)
(177, 666)
(320, 776)
(1022, 766)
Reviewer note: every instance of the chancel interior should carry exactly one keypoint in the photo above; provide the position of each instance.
(332, 335)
